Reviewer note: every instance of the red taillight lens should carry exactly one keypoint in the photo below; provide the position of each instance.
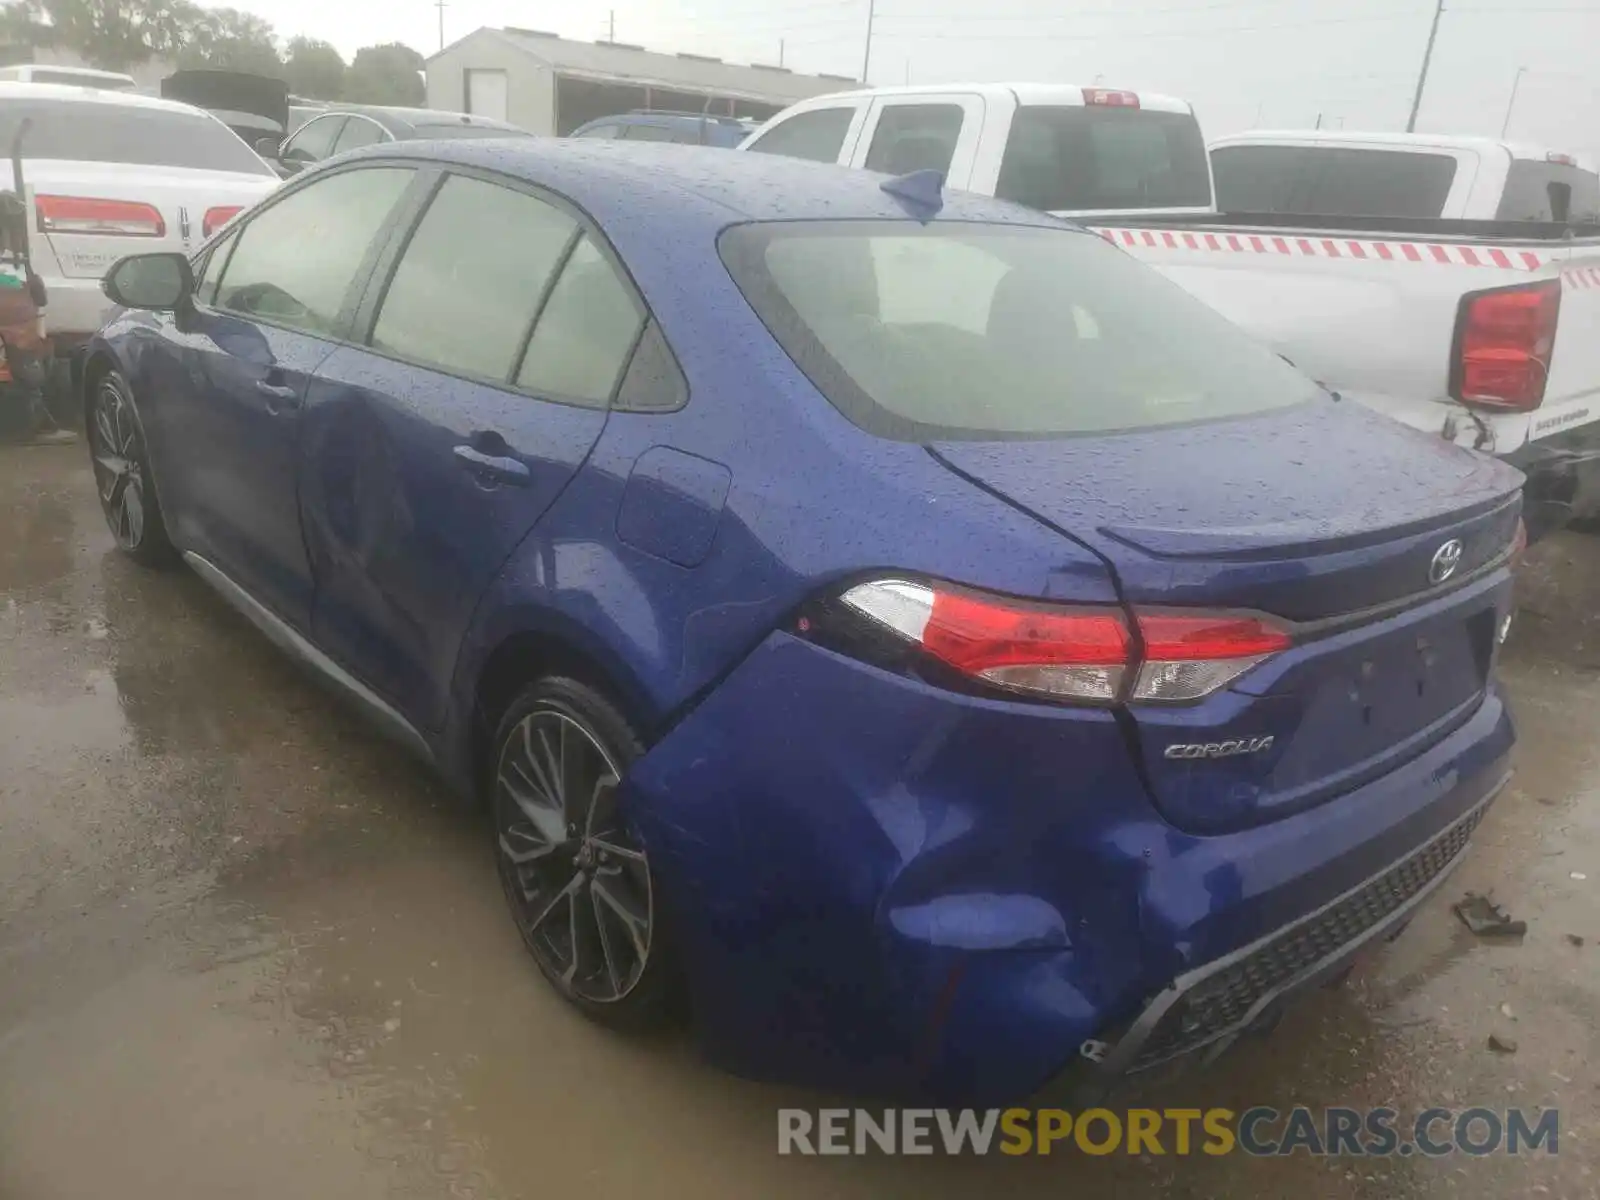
(1070, 653)
(78, 214)
(1110, 98)
(1504, 344)
(216, 218)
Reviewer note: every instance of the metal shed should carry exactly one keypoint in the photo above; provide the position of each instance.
(550, 85)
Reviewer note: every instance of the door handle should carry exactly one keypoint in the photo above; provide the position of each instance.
(280, 396)
(498, 468)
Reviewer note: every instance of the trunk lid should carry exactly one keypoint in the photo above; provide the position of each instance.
(1324, 515)
(180, 196)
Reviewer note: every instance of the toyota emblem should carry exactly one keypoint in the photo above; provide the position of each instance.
(1445, 561)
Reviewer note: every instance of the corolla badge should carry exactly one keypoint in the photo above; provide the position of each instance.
(1230, 749)
(1445, 561)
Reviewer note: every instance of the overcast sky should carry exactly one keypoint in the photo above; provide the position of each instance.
(1243, 63)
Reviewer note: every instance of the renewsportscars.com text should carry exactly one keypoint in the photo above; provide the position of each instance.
(1260, 1132)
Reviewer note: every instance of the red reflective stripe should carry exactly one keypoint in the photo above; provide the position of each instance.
(1233, 243)
(1470, 258)
(1531, 260)
(1129, 238)
(1356, 250)
(1333, 251)
(1307, 248)
(1172, 242)
(1258, 245)
(1189, 241)
(1498, 258)
(1384, 252)
(1440, 253)
(1212, 243)
(1149, 238)
(1411, 252)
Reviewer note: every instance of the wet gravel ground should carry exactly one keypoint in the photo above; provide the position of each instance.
(248, 950)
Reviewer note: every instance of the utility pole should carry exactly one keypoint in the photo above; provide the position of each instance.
(866, 60)
(440, 5)
(1319, 120)
(780, 52)
(1422, 76)
(611, 26)
(1515, 82)
(908, 72)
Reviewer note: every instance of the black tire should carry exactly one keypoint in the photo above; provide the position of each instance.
(121, 463)
(576, 879)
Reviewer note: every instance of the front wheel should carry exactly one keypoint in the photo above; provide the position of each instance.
(122, 473)
(577, 879)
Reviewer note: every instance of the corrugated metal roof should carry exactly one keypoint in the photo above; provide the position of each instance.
(684, 72)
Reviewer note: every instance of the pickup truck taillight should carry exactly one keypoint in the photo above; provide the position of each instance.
(1086, 654)
(79, 214)
(1503, 343)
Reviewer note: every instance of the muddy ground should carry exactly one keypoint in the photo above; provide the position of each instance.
(248, 950)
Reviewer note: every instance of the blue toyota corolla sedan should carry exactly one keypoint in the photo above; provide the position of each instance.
(904, 626)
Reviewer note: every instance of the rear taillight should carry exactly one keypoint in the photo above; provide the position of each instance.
(216, 218)
(1110, 98)
(79, 214)
(1503, 344)
(1075, 654)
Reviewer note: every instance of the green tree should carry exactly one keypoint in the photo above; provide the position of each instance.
(111, 34)
(314, 69)
(225, 39)
(387, 74)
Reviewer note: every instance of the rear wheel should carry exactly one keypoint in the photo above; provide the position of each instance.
(122, 473)
(577, 879)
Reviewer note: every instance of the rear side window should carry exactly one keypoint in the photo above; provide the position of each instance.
(915, 137)
(586, 332)
(954, 330)
(83, 131)
(294, 262)
(600, 131)
(651, 133)
(314, 140)
(467, 287)
(1095, 159)
(817, 135)
(1332, 181)
(1547, 191)
(358, 132)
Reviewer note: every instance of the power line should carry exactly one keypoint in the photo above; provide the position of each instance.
(1166, 33)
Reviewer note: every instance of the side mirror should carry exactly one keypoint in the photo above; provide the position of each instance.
(269, 147)
(158, 282)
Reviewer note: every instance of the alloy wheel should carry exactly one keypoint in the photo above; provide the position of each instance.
(118, 465)
(578, 883)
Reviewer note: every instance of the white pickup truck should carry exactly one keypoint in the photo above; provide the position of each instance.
(1455, 295)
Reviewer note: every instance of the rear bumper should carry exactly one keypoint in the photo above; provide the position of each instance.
(883, 888)
(1563, 473)
(1205, 1010)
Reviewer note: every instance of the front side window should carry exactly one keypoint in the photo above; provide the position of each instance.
(915, 137)
(467, 287)
(975, 331)
(295, 261)
(816, 135)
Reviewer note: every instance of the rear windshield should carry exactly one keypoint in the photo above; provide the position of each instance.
(1332, 181)
(458, 132)
(958, 330)
(82, 131)
(1094, 159)
(1547, 191)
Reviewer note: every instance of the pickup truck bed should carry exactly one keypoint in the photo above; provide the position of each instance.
(1374, 309)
